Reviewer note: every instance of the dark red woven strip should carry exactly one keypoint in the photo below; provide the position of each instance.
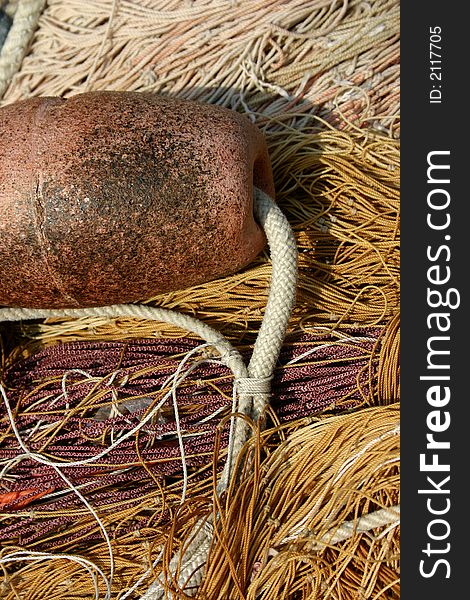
(314, 383)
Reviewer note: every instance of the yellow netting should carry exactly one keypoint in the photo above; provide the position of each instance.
(321, 78)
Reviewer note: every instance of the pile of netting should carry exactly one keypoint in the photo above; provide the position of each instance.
(131, 418)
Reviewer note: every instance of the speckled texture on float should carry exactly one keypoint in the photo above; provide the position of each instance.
(112, 197)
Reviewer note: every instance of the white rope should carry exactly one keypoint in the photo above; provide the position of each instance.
(281, 298)
(191, 563)
(138, 311)
(380, 518)
(254, 389)
(385, 517)
(252, 383)
(16, 45)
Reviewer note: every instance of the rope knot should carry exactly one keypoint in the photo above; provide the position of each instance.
(253, 386)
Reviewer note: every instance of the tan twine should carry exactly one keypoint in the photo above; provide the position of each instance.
(341, 57)
(317, 513)
(317, 518)
(321, 79)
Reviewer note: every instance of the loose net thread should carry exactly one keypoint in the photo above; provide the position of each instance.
(345, 286)
(16, 45)
(137, 503)
(340, 56)
(360, 96)
(265, 353)
(282, 530)
(68, 396)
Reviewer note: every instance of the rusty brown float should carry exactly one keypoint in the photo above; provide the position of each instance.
(114, 197)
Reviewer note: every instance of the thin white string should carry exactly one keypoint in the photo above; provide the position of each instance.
(9, 463)
(177, 379)
(38, 457)
(106, 38)
(100, 524)
(179, 432)
(86, 484)
(323, 346)
(104, 452)
(64, 383)
(66, 374)
(211, 416)
(91, 378)
(41, 459)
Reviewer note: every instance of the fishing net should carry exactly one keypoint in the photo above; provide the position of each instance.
(321, 80)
